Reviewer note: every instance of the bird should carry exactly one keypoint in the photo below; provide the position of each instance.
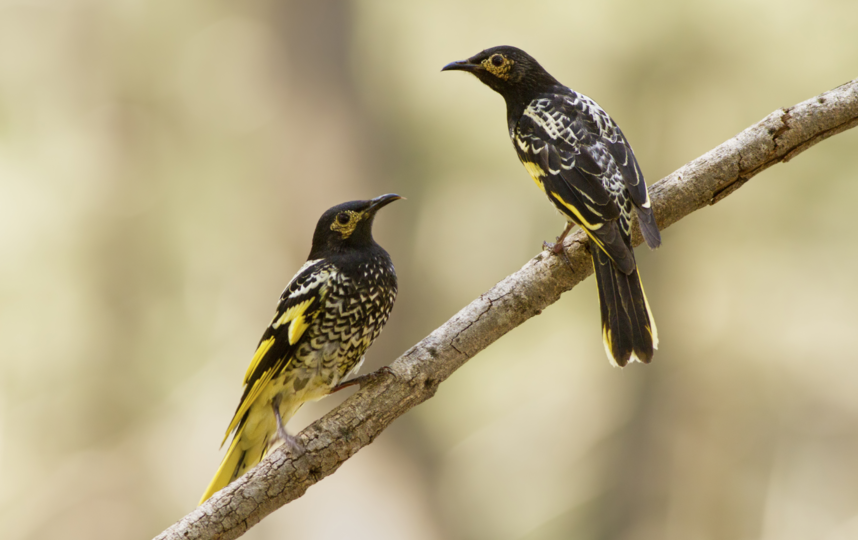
(578, 156)
(327, 317)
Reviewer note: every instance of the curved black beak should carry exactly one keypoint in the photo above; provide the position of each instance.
(461, 65)
(382, 201)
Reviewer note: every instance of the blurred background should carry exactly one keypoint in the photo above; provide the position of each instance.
(162, 167)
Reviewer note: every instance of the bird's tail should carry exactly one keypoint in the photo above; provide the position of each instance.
(628, 328)
(244, 452)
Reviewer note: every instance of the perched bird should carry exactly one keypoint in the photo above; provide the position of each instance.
(327, 317)
(580, 159)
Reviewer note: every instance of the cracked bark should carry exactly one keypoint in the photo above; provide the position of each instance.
(415, 376)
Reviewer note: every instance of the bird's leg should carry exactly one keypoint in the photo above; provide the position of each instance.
(361, 380)
(557, 248)
(290, 440)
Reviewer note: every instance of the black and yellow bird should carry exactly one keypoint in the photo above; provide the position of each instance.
(327, 317)
(578, 156)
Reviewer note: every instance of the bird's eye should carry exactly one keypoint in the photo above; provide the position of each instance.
(343, 218)
(496, 60)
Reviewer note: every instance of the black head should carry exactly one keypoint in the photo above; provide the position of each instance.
(507, 70)
(347, 226)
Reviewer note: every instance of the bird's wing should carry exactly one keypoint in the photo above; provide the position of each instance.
(556, 135)
(300, 303)
(633, 178)
(597, 131)
(564, 141)
(610, 149)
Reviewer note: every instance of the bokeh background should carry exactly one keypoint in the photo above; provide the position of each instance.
(162, 166)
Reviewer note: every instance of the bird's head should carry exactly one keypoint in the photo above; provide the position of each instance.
(347, 226)
(506, 70)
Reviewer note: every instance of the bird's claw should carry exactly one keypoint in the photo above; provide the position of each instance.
(292, 442)
(558, 249)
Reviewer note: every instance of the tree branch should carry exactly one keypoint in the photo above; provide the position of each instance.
(414, 377)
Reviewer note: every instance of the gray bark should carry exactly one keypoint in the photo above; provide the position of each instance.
(414, 377)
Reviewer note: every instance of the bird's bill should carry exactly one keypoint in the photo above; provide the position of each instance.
(462, 65)
(382, 201)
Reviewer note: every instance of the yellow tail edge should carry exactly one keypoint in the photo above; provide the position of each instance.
(653, 329)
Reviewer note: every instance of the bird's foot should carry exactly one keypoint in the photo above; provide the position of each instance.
(558, 249)
(291, 441)
(362, 379)
(555, 248)
(295, 446)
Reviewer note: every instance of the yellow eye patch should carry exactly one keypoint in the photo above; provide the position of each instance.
(346, 229)
(501, 70)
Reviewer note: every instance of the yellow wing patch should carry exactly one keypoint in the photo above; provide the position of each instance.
(535, 172)
(297, 329)
(257, 357)
(295, 315)
(257, 389)
(582, 221)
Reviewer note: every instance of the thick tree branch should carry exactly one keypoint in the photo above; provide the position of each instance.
(414, 377)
